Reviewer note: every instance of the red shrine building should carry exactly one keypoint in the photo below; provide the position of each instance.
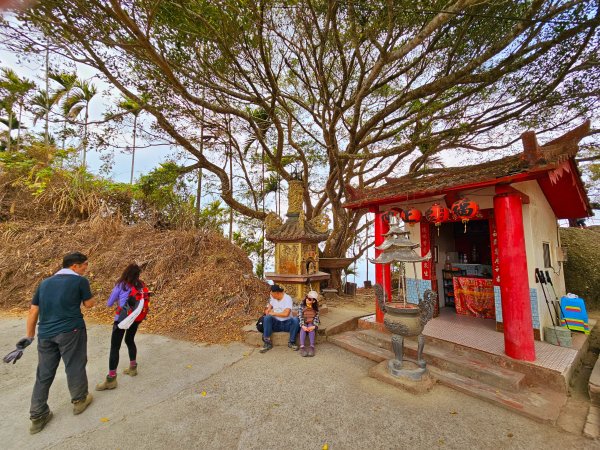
(487, 227)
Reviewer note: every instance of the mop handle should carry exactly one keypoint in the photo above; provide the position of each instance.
(549, 279)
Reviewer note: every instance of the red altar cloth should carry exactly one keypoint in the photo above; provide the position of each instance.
(474, 297)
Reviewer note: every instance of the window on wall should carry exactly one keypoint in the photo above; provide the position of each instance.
(547, 260)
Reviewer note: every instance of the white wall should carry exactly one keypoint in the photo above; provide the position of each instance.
(541, 225)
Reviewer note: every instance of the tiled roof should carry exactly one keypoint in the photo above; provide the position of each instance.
(533, 160)
(292, 230)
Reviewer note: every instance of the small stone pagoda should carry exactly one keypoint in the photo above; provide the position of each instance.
(398, 248)
(296, 250)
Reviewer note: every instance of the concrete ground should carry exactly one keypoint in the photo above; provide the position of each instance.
(230, 396)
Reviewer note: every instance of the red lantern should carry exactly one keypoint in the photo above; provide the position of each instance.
(437, 214)
(411, 216)
(465, 210)
(389, 215)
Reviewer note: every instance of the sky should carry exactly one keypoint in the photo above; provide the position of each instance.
(146, 158)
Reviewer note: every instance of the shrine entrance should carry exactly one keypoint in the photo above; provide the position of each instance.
(462, 270)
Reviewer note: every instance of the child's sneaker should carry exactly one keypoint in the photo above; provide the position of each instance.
(131, 371)
(303, 351)
(311, 351)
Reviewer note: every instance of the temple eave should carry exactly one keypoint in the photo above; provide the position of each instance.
(292, 278)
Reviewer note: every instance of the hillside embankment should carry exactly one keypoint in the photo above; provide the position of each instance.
(582, 268)
(203, 287)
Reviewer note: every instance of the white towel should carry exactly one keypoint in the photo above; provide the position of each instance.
(127, 321)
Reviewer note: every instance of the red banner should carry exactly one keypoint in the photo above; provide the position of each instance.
(494, 250)
(474, 297)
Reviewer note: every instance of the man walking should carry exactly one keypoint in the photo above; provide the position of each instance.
(278, 317)
(61, 334)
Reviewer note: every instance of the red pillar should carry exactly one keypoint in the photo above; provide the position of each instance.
(382, 271)
(514, 280)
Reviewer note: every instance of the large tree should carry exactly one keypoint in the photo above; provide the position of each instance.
(349, 91)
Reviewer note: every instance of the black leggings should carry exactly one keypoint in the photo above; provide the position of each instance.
(115, 344)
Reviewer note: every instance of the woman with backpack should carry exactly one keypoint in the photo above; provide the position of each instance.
(130, 295)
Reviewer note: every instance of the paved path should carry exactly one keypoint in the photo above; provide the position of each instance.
(272, 401)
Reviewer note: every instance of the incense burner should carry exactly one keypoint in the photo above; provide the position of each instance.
(406, 320)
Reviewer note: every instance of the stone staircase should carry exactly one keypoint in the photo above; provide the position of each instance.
(467, 370)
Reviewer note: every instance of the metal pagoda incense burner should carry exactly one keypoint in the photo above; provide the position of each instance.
(404, 319)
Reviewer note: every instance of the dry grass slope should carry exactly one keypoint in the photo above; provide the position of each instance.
(582, 269)
(203, 286)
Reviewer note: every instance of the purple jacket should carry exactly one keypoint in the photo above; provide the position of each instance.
(119, 296)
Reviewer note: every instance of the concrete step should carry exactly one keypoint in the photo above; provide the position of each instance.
(465, 363)
(540, 404)
(335, 321)
(534, 374)
(350, 341)
(254, 337)
(536, 403)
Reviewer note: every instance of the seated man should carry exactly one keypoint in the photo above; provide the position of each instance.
(278, 317)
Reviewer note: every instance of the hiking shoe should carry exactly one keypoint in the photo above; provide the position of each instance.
(293, 346)
(131, 371)
(38, 425)
(311, 351)
(268, 345)
(303, 351)
(81, 405)
(108, 383)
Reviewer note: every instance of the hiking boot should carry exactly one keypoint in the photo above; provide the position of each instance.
(38, 425)
(293, 346)
(107, 384)
(81, 405)
(311, 351)
(268, 345)
(131, 371)
(303, 351)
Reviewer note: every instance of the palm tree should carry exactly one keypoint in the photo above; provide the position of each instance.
(14, 90)
(134, 108)
(66, 82)
(77, 100)
(40, 105)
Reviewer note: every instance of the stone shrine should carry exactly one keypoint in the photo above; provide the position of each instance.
(296, 246)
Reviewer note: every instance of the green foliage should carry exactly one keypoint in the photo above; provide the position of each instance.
(213, 216)
(253, 247)
(38, 182)
(164, 198)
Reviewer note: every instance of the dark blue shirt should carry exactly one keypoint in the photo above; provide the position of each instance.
(59, 298)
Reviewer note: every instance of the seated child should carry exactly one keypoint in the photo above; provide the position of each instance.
(309, 321)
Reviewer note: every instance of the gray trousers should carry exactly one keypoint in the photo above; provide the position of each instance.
(72, 348)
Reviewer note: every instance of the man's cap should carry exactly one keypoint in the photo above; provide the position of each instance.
(313, 294)
(276, 288)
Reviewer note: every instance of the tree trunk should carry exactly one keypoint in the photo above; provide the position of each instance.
(199, 187)
(85, 134)
(335, 282)
(230, 181)
(133, 152)
(19, 127)
(46, 126)
(8, 139)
